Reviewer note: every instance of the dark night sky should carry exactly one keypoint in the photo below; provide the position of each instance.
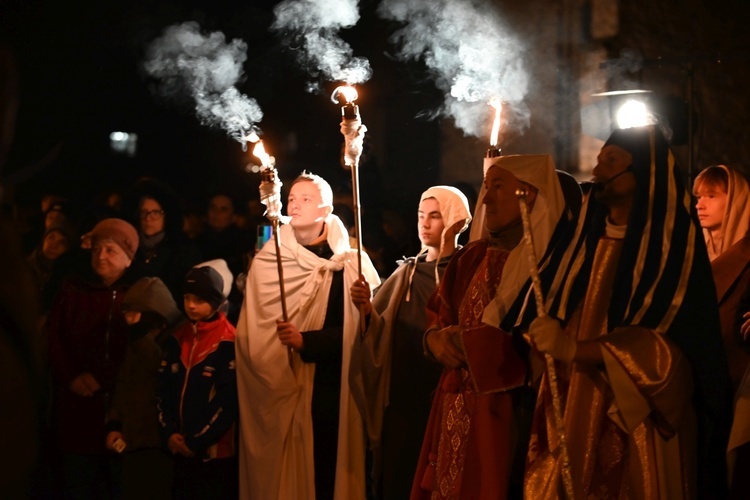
(80, 65)
(81, 78)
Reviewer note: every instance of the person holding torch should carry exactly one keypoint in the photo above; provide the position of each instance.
(392, 381)
(302, 435)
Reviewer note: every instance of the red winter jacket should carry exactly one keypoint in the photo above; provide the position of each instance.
(197, 387)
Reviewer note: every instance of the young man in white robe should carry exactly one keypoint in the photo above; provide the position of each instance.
(301, 435)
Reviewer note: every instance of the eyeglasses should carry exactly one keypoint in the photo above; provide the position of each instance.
(152, 214)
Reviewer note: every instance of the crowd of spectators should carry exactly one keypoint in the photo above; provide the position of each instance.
(174, 234)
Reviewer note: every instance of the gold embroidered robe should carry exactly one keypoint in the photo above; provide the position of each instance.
(629, 423)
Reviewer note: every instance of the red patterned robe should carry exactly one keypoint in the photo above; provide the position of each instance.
(469, 446)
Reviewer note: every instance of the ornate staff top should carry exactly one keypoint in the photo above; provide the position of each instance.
(270, 194)
(270, 185)
(351, 124)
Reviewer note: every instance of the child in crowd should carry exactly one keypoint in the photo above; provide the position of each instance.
(197, 394)
(151, 315)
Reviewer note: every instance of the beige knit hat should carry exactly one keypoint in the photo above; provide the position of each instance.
(118, 231)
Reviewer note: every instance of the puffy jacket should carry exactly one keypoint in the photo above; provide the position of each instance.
(197, 387)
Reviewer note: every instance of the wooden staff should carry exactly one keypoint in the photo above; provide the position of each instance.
(550, 362)
(270, 196)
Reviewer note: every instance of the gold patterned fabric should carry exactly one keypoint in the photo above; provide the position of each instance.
(629, 423)
(455, 422)
(662, 285)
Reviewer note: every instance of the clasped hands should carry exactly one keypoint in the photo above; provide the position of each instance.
(550, 338)
(444, 346)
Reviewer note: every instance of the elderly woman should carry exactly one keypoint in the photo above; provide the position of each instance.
(87, 340)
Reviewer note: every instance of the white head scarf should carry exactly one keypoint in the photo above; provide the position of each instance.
(454, 208)
(736, 221)
(549, 206)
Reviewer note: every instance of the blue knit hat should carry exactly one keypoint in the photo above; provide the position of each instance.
(206, 283)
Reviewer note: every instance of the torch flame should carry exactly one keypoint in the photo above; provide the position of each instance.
(260, 152)
(496, 103)
(347, 92)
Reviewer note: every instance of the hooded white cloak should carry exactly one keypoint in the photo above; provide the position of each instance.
(276, 437)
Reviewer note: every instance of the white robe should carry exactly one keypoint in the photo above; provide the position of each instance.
(276, 438)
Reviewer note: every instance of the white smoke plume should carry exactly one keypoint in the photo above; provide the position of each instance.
(471, 55)
(205, 67)
(312, 28)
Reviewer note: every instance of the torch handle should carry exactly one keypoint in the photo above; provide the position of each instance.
(358, 234)
(536, 284)
(353, 131)
(280, 268)
(357, 215)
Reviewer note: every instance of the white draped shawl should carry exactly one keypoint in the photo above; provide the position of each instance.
(276, 439)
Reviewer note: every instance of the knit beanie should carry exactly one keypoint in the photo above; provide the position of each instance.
(221, 267)
(118, 231)
(205, 282)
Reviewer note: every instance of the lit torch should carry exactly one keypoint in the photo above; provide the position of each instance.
(477, 230)
(493, 151)
(270, 196)
(354, 135)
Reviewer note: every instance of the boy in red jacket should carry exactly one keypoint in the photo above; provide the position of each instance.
(197, 395)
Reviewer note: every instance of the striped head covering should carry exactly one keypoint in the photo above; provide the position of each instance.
(663, 281)
(663, 248)
(545, 216)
